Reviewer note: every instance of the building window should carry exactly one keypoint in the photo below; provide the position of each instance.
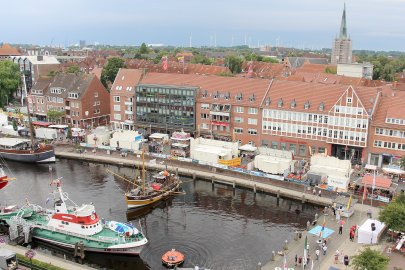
(252, 131)
(205, 116)
(117, 98)
(205, 106)
(274, 145)
(252, 111)
(117, 108)
(321, 150)
(238, 120)
(117, 116)
(238, 130)
(205, 126)
(293, 148)
(252, 121)
(283, 146)
(265, 143)
(303, 150)
(239, 109)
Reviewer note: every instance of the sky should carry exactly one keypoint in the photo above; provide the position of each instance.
(312, 24)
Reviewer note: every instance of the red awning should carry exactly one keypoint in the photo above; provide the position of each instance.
(220, 124)
(42, 124)
(380, 182)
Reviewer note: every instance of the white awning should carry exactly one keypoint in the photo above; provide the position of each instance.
(58, 126)
(393, 171)
(248, 147)
(371, 167)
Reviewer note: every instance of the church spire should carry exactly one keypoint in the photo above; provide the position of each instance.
(343, 27)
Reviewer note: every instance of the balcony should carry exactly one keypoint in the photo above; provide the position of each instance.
(129, 112)
(67, 107)
(128, 103)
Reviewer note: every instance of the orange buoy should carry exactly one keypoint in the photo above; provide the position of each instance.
(172, 258)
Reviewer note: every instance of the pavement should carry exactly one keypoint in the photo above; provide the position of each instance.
(335, 242)
(68, 265)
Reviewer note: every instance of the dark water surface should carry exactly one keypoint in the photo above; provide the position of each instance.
(214, 227)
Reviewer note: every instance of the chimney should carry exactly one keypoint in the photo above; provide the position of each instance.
(40, 57)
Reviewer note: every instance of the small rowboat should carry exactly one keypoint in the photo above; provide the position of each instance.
(172, 258)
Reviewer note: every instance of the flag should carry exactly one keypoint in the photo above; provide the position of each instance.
(250, 69)
(164, 63)
(180, 59)
(373, 187)
(285, 267)
(364, 194)
(349, 203)
(304, 260)
(323, 227)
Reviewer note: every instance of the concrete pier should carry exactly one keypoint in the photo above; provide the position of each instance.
(259, 184)
(59, 262)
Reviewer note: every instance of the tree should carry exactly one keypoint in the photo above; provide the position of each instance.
(393, 214)
(370, 259)
(9, 81)
(143, 49)
(69, 133)
(73, 69)
(110, 70)
(15, 125)
(234, 64)
(330, 70)
(54, 115)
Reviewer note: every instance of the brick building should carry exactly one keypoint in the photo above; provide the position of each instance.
(82, 98)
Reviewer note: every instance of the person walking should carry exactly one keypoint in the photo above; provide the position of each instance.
(317, 252)
(314, 191)
(325, 248)
(340, 227)
(337, 254)
(296, 259)
(319, 193)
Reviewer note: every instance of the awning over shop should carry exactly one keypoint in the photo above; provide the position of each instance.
(42, 124)
(380, 182)
(393, 170)
(248, 147)
(371, 167)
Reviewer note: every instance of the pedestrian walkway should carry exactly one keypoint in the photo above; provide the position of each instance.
(335, 242)
(68, 265)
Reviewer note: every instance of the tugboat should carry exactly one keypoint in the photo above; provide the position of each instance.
(80, 227)
(172, 258)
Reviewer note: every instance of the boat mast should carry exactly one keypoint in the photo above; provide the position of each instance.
(143, 172)
(31, 129)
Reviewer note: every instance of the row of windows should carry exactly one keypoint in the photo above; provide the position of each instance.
(181, 92)
(238, 130)
(389, 145)
(348, 122)
(129, 88)
(292, 147)
(349, 110)
(395, 121)
(73, 95)
(54, 99)
(295, 116)
(56, 90)
(390, 132)
(299, 129)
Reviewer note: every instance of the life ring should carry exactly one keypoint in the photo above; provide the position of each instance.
(93, 217)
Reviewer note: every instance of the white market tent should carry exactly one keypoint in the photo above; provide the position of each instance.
(338, 171)
(58, 126)
(370, 167)
(273, 161)
(366, 235)
(248, 147)
(100, 136)
(393, 170)
(212, 150)
(127, 139)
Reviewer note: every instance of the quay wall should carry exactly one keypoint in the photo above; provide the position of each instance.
(281, 189)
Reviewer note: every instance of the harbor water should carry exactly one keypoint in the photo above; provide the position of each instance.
(214, 226)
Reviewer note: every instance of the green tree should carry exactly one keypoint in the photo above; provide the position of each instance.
(9, 81)
(54, 115)
(110, 70)
(73, 69)
(15, 125)
(330, 70)
(393, 214)
(201, 59)
(69, 132)
(143, 49)
(370, 259)
(234, 63)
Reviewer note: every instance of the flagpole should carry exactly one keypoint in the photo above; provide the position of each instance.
(372, 190)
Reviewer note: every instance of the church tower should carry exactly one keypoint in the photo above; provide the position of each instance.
(342, 46)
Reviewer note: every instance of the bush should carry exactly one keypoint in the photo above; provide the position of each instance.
(24, 260)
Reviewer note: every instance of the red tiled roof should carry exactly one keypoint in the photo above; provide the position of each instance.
(266, 70)
(127, 78)
(212, 84)
(314, 93)
(380, 182)
(97, 71)
(391, 105)
(6, 49)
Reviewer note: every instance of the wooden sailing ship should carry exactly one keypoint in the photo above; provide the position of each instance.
(163, 185)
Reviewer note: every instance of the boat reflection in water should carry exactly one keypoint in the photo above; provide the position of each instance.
(136, 213)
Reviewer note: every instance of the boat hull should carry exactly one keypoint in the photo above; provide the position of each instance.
(134, 202)
(3, 183)
(68, 242)
(47, 154)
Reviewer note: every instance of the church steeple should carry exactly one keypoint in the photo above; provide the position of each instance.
(343, 27)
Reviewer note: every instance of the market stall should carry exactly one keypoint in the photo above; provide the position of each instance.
(370, 232)
(344, 206)
(383, 190)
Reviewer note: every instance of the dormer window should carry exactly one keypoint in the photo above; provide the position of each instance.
(268, 101)
(216, 95)
(321, 106)
(205, 94)
(349, 100)
(306, 105)
(227, 96)
(252, 98)
(73, 95)
(56, 90)
(238, 97)
(293, 104)
(280, 103)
